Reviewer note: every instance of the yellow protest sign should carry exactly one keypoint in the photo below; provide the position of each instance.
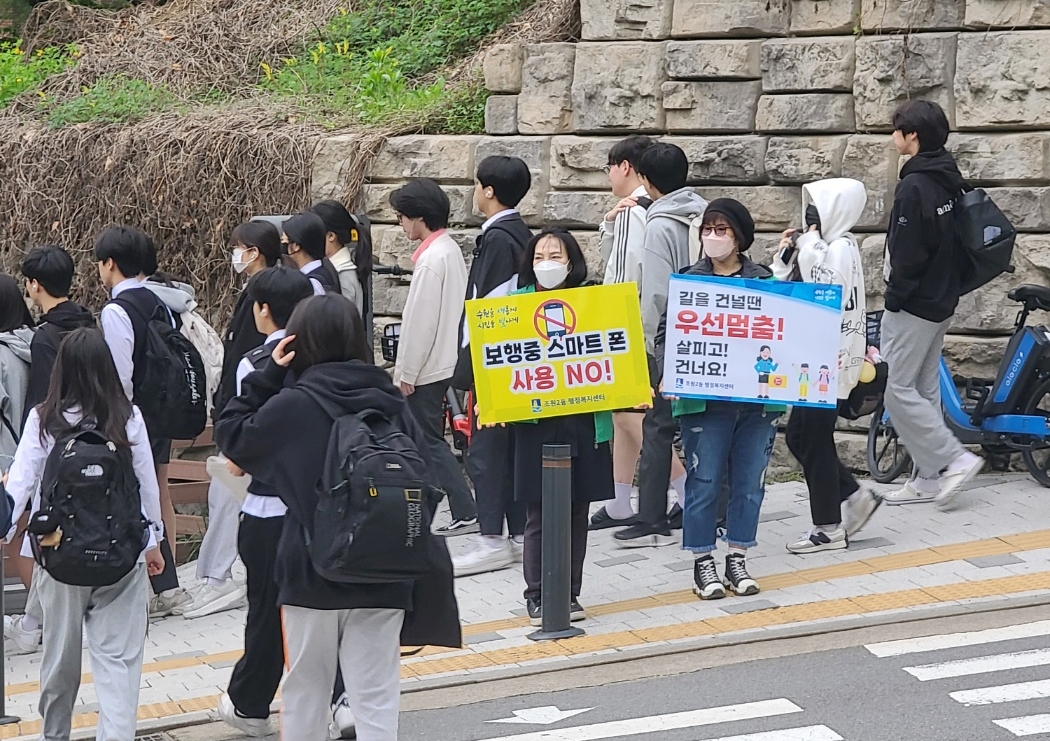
(558, 352)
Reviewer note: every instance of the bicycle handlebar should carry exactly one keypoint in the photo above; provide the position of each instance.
(390, 270)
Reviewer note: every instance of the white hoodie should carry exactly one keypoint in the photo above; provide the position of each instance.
(832, 256)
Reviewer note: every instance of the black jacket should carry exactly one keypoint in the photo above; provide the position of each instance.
(326, 275)
(54, 325)
(922, 243)
(281, 435)
(241, 338)
(497, 258)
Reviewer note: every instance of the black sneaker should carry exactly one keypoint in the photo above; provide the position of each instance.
(601, 520)
(576, 611)
(737, 580)
(645, 535)
(705, 577)
(458, 527)
(674, 517)
(532, 606)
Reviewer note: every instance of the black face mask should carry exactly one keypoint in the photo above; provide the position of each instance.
(812, 216)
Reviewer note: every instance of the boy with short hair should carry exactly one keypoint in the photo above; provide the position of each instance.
(303, 240)
(502, 183)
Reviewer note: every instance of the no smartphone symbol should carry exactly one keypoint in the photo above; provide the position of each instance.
(554, 318)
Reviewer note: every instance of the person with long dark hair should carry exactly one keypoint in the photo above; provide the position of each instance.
(85, 389)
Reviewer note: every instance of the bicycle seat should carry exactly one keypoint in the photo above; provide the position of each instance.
(1034, 297)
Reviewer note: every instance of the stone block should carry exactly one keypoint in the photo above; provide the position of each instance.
(389, 295)
(590, 244)
(376, 200)
(576, 208)
(808, 65)
(577, 162)
(808, 112)
(390, 245)
(872, 258)
(986, 309)
(535, 151)
(545, 102)
(873, 160)
(772, 207)
(1007, 13)
(1003, 159)
(711, 106)
(726, 159)
(502, 68)
(616, 87)
(623, 20)
(328, 170)
(501, 115)
(732, 18)
(443, 158)
(824, 16)
(1027, 208)
(714, 60)
(893, 69)
(1002, 80)
(803, 159)
(911, 15)
(974, 356)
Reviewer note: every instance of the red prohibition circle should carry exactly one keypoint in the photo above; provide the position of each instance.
(549, 322)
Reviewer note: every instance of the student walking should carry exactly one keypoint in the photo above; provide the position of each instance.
(303, 241)
(502, 182)
(722, 438)
(86, 404)
(16, 336)
(826, 252)
(280, 435)
(426, 354)
(352, 268)
(553, 260)
(922, 291)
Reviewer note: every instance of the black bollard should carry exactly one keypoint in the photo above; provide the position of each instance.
(557, 545)
(5, 719)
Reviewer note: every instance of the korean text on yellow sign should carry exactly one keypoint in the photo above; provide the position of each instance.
(558, 352)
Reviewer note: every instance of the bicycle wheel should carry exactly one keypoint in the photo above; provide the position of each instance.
(1037, 457)
(887, 458)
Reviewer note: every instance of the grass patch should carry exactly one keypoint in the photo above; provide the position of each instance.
(20, 71)
(116, 99)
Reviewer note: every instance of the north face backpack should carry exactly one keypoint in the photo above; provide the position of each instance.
(89, 501)
(986, 236)
(372, 523)
(172, 393)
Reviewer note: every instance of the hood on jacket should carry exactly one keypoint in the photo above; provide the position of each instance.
(939, 165)
(17, 341)
(350, 387)
(682, 202)
(179, 297)
(840, 203)
(68, 316)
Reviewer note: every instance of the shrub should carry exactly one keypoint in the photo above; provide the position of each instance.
(116, 99)
(20, 71)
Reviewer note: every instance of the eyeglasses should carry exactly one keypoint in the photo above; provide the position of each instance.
(607, 168)
(718, 231)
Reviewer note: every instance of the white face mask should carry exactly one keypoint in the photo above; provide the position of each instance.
(550, 274)
(236, 259)
(717, 247)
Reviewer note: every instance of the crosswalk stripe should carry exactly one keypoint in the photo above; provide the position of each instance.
(806, 733)
(959, 640)
(670, 722)
(980, 665)
(1003, 693)
(1026, 725)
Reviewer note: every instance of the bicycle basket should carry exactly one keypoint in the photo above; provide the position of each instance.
(388, 342)
(873, 328)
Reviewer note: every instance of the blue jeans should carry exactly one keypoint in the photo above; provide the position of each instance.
(734, 439)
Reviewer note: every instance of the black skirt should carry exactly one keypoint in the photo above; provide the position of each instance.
(592, 475)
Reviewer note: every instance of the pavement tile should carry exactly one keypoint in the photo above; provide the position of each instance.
(1003, 559)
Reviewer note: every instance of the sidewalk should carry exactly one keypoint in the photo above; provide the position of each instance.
(994, 546)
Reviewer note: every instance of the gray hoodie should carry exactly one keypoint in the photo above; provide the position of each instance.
(178, 297)
(14, 377)
(665, 251)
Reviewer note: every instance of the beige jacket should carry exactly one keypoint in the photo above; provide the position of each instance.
(427, 350)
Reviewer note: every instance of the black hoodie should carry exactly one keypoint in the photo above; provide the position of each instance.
(280, 435)
(922, 244)
(54, 325)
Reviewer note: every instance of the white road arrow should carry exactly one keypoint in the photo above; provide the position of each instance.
(540, 716)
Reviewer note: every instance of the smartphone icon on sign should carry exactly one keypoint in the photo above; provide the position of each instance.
(555, 316)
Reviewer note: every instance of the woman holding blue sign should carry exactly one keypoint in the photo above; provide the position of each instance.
(725, 438)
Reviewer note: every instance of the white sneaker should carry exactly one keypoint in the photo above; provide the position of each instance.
(24, 641)
(820, 540)
(912, 493)
(958, 474)
(160, 606)
(253, 727)
(858, 509)
(343, 725)
(484, 558)
(213, 599)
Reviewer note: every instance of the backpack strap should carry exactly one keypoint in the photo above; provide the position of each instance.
(10, 428)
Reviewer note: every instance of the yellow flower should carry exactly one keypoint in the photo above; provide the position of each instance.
(314, 55)
(18, 79)
(321, 48)
(267, 70)
(41, 94)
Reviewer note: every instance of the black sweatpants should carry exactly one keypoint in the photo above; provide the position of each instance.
(532, 557)
(654, 463)
(256, 676)
(811, 439)
(490, 463)
(426, 406)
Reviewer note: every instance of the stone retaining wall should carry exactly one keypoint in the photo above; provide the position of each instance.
(763, 95)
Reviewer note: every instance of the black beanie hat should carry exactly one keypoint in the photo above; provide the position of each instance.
(738, 217)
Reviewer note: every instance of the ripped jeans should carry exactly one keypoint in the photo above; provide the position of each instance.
(734, 439)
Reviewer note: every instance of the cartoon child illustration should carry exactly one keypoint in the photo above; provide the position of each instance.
(823, 381)
(764, 367)
(803, 382)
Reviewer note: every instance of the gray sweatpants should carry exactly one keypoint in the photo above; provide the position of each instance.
(366, 645)
(115, 620)
(219, 547)
(912, 349)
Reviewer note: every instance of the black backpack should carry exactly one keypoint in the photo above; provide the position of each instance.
(172, 389)
(372, 523)
(986, 236)
(90, 491)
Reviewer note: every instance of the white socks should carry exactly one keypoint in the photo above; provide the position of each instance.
(679, 489)
(620, 508)
(30, 623)
(964, 461)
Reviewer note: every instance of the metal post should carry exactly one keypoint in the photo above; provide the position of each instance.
(5, 719)
(557, 544)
